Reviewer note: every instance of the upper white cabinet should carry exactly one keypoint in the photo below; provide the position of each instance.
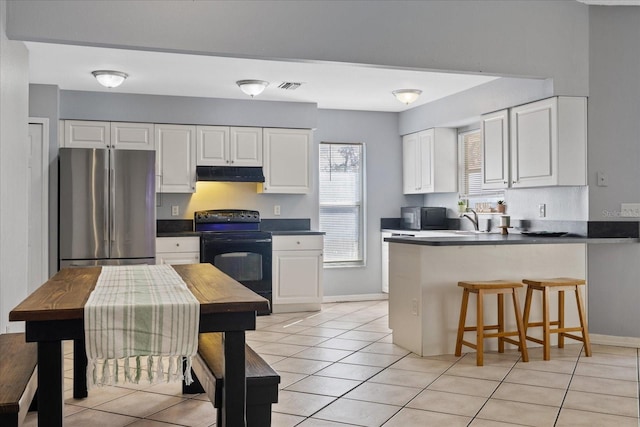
(495, 150)
(86, 134)
(132, 136)
(119, 135)
(229, 146)
(549, 142)
(175, 158)
(543, 143)
(430, 161)
(286, 161)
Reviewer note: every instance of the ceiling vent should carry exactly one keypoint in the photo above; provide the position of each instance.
(289, 85)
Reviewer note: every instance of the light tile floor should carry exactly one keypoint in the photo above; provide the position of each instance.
(339, 367)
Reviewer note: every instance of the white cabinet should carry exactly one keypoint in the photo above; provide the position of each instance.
(119, 135)
(132, 136)
(286, 161)
(178, 250)
(430, 161)
(175, 158)
(495, 150)
(549, 142)
(229, 146)
(297, 273)
(543, 143)
(86, 134)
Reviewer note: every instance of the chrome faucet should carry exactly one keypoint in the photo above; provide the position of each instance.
(473, 220)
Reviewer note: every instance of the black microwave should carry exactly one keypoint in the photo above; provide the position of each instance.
(423, 218)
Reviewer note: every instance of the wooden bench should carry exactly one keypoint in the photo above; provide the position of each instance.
(262, 380)
(18, 378)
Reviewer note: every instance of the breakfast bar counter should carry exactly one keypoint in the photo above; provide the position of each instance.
(424, 299)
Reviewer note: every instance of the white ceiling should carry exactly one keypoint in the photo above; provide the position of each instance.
(330, 85)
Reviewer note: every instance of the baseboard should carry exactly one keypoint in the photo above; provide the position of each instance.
(354, 298)
(632, 342)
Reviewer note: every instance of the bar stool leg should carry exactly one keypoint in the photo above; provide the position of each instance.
(521, 328)
(583, 324)
(546, 324)
(561, 318)
(480, 329)
(500, 322)
(461, 323)
(527, 308)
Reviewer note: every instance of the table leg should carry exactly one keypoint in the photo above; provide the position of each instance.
(79, 369)
(234, 392)
(50, 384)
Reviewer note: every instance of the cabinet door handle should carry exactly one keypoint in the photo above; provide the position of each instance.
(177, 244)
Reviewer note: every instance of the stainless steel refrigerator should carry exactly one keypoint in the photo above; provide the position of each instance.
(107, 207)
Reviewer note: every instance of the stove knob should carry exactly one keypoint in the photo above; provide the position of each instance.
(199, 216)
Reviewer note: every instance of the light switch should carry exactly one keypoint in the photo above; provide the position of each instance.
(542, 210)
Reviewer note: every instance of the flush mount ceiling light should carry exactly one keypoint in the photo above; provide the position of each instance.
(109, 78)
(252, 87)
(406, 96)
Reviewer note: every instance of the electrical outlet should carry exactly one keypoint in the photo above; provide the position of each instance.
(630, 210)
(542, 210)
(276, 209)
(175, 210)
(602, 179)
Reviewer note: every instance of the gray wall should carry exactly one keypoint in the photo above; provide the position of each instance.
(514, 38)
(378, 131)
(44, 102)
(189, 110)
(14, 148)
(614, 148)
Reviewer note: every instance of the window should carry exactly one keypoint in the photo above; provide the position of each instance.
(471, 167)
(341, 202)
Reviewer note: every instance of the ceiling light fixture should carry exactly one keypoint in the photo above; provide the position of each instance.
(252, 87)
(109, 78)
(406, 96)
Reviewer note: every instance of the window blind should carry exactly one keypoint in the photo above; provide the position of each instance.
(472, 172)
(341, 190)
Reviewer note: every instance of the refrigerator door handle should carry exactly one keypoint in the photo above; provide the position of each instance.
(112, 204)
(106, 203)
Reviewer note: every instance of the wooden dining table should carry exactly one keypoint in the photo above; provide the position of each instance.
(55, 312)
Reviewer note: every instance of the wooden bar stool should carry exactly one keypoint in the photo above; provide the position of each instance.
(559, 285)
(500, 288)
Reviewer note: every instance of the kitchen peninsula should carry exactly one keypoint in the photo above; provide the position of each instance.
(424, 299)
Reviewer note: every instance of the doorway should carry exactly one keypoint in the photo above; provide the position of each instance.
(38, 203)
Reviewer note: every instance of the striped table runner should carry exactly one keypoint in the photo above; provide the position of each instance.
(140, 315)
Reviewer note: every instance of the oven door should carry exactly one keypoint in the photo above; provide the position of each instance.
(245, 256)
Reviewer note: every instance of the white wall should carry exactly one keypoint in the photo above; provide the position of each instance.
(14, 87)
(511, 38)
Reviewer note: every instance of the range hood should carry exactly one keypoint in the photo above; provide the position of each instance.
(229, 174)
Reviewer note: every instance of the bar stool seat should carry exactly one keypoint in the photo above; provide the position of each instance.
(499, 288)
(560, 285)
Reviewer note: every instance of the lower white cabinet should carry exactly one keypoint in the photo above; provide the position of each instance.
(297, 273)
(178, 250)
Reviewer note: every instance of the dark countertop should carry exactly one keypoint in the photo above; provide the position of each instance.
(498, 239)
